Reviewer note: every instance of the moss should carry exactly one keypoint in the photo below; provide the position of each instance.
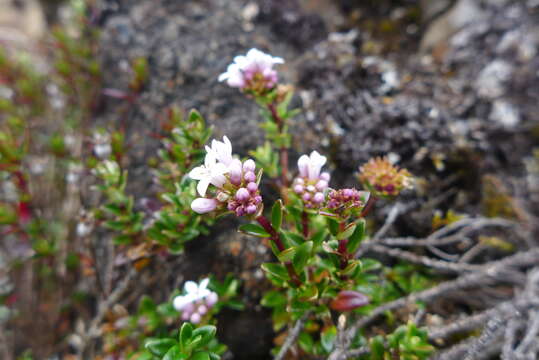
(496, 200)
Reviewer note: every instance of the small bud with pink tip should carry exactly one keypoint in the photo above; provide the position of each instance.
(242, 194)
(203, 205)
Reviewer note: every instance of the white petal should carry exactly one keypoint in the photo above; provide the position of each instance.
(303, 165)
(199, 173)
(180, 302)
(202, 186)
(203, 284)
(224, 76)
(191, 287)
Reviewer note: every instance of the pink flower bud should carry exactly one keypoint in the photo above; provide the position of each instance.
(321, 185)
(251, 209)
(186, 315)
(250, 176)
(240, 211)
(318, 197)
(306, 197)
(311, 188)
(235, 172)
(258, 199)
(348, 300)
(211, 299)
(202, 310)
(203, 205)
(232, 206)
(298, 189)
(252, 187)
(242, 194)
(325, 176)
(249, 165)
(195, 318)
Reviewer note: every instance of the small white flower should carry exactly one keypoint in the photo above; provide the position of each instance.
(310, 166)
(221, 150)
(193, 293)
(211, 172)
(244, 67)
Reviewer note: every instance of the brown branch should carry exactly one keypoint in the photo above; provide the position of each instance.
(292, 336)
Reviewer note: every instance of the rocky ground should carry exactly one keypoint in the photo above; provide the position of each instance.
(449, 89)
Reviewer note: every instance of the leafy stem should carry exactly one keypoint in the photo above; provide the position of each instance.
(276, 238)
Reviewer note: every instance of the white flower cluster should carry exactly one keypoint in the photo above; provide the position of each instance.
(235, 182)
(253, 71)
(196, 302)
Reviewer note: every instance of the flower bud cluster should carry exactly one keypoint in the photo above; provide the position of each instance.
(310, 185)
(235, 184)
(383, 178)
(340, 201)
(252, 72)
(197, 301)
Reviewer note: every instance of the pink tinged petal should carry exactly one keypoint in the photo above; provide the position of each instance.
(318, 198)
(203, 205)
(202, 310)
(252, 187)
(235, 172)
(321, 185)
(250, 176)
(303, 165)
(211, 299)
(195, 318)
(325, 176)
(249, 165)
(242, 194)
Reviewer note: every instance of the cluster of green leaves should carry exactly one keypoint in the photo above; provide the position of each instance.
(175, 223)
(191, 343)
(407, 342)
(118, 207)
(130, 335)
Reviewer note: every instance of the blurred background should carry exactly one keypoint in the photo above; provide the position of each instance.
(448, 88)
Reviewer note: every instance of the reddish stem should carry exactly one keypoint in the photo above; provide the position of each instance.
(342, 247)
(276, 238)
(370, 203)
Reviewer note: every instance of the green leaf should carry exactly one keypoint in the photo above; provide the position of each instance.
(273, 299)
(277, 215)
(207, 332)
(254, 230)
(276, 270)
(303, 253)
(287, 255)
(174, 353)
(305, 342)
(186, 332)
(146, 305)
(347, 232)
(333, 226)
(328, 338)
(377, 348)
(355, 239)
(159, 347)
(203, 355)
